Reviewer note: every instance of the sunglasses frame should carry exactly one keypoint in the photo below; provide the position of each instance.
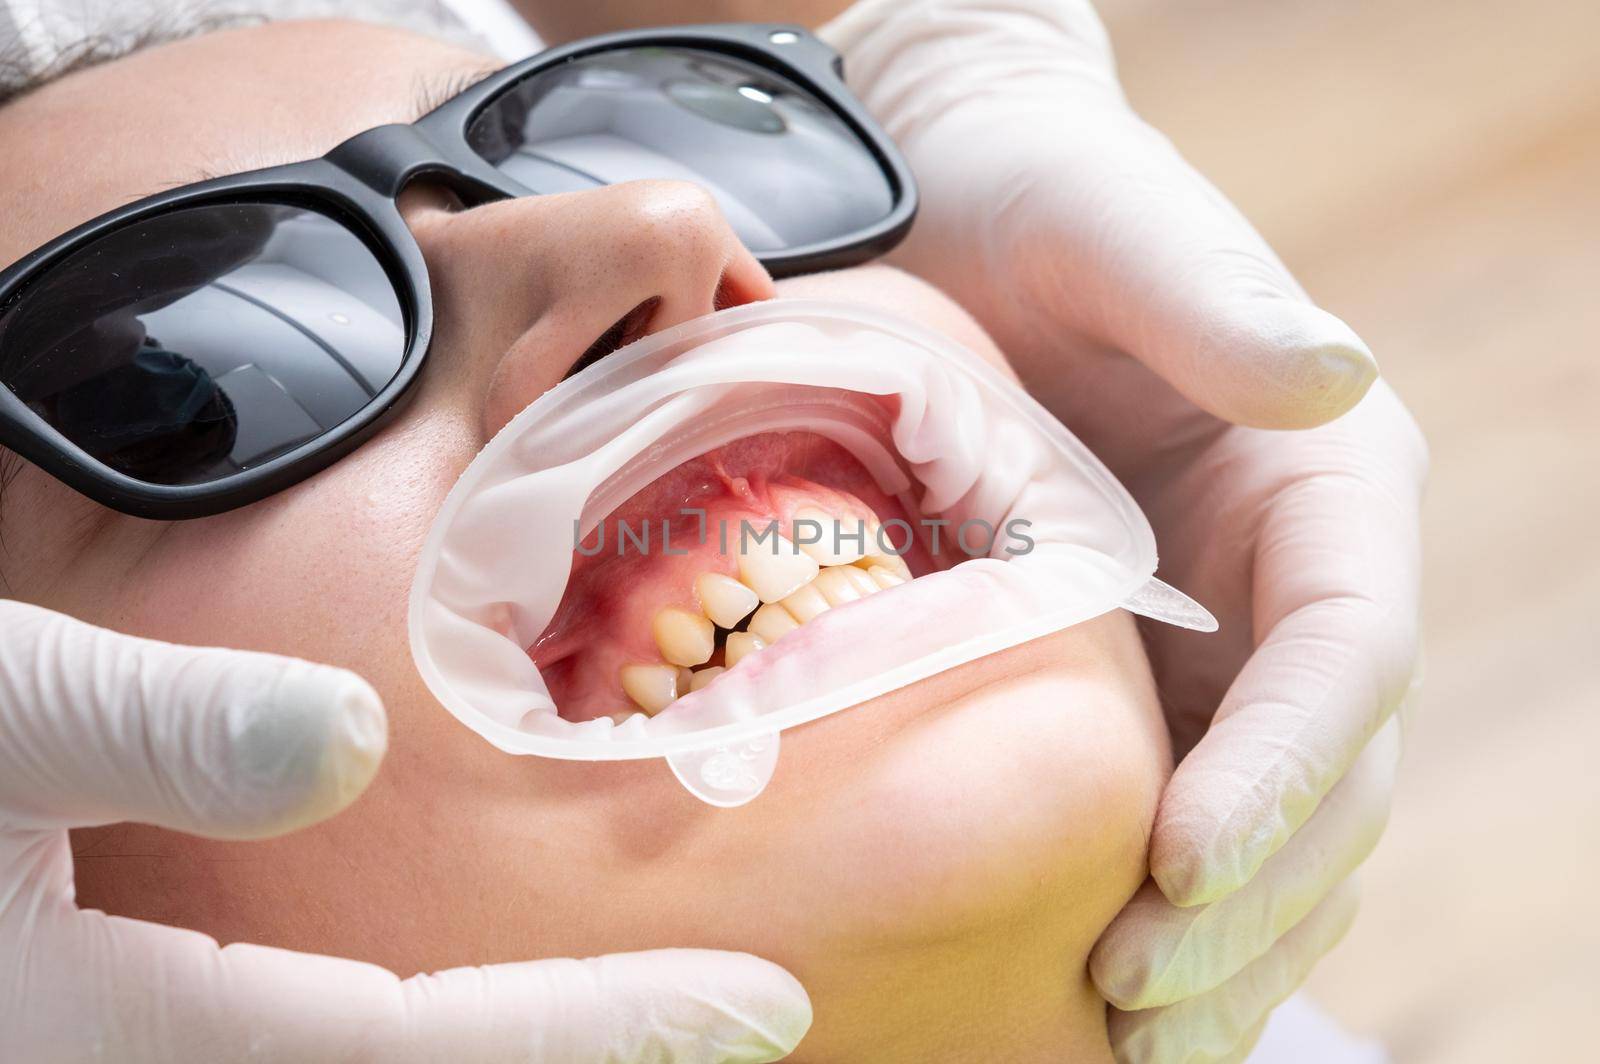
(357, 184)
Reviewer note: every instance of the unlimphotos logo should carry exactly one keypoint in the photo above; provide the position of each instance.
(974, 537)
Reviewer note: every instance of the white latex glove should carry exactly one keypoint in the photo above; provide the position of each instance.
(97, 728)
(1145, 312)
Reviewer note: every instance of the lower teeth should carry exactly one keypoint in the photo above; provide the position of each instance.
(740, 645)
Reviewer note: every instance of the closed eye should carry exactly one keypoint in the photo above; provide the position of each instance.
(437, 89)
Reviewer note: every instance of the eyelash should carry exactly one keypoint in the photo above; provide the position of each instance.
(435, 91)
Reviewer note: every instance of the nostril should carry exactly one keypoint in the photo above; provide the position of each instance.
(726, 295)
(742, 283)
(624, 331)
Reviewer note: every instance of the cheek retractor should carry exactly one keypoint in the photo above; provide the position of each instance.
(935, 429)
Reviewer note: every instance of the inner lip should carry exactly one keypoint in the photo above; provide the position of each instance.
(689, 575)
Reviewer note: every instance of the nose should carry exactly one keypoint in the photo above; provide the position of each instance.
(526, 290)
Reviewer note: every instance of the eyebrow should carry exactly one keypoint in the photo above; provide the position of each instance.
(431, 91)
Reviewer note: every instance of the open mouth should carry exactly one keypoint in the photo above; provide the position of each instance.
(714, 561)
(849, 505)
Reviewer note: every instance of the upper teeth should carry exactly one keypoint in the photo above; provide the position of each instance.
(890, 562)
(725, 600)
(884, 578)
(784, 585)
(776, 570)
(808, 601)
(772, 622)
(684, 638)
(652, 687)
(836, 585)
(831, 540)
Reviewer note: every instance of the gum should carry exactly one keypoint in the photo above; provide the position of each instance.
(618, 583)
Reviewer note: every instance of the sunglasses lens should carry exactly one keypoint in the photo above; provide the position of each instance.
(193, 345)
(784, 166)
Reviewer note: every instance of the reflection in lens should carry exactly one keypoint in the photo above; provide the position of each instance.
(154, 416)
(194, 345)
(786, 170)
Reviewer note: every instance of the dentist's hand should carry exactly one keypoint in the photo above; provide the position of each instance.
(1142, 309)
(97, 728)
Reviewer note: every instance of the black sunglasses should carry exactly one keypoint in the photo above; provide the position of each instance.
(205, 347)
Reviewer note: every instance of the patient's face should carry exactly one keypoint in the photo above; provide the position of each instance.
(976, 830)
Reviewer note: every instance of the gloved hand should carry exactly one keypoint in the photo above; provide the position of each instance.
(1143, 310)
(97, 728)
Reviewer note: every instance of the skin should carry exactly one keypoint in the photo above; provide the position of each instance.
(934, 866)
(557, 23)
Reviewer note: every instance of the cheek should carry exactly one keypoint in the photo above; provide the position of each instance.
(320, 571)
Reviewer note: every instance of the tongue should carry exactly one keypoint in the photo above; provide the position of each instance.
(647, 555)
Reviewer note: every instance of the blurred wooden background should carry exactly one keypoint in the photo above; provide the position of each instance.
(1431, 171)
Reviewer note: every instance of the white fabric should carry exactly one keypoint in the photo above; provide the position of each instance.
(97, 728)
(936, 427)
(42, 36)
(498, 24)
(1147, 314)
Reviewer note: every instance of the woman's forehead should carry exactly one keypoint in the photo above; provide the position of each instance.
(222, 103)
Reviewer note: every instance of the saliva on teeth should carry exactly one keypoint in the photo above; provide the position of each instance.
(779, 588)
